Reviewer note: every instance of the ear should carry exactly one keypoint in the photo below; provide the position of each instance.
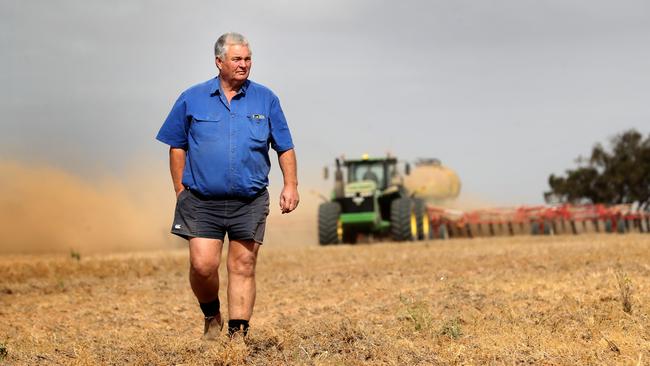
(218, 62)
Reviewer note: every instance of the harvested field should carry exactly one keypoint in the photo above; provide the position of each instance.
(524, 300)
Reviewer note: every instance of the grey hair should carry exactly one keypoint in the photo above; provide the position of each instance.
(226, 39)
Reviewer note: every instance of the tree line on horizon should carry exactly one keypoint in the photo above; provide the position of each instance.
(617, 175)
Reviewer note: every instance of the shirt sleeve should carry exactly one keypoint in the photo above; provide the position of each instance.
(280, 135)
(174, 130)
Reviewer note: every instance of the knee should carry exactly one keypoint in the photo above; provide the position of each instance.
(204, 268)
(242, 265)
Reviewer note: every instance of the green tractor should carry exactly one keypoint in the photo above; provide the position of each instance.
(370, 201)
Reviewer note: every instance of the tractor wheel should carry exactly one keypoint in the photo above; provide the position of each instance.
(402, 220)
(421, 219)
(329, 225)
(443, 232)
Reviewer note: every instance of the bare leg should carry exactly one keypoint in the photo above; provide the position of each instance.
(242, 257)
(205, 256)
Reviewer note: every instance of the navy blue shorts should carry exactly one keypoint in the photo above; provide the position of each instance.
(201, 217)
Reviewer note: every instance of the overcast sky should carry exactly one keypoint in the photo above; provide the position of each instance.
(505, 92)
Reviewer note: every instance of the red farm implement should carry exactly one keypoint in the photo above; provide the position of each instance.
(537, 220)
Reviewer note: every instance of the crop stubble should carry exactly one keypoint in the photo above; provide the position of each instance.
(528, 300)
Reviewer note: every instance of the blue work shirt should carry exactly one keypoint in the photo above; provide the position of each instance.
(227, 144)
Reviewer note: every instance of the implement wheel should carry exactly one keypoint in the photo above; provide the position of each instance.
(421, 219)
(330, 230)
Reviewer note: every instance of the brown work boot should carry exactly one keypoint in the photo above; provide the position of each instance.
(212, 328)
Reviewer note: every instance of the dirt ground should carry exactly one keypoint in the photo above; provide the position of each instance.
(523, 300)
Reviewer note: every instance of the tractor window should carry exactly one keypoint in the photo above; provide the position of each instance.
(393, 176)
(370, 171)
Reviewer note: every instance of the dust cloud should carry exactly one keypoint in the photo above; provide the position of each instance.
(298, 228)
(468, 201)
(48, 210)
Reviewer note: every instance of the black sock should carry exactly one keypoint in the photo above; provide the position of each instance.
(210, 308)
(235, 325)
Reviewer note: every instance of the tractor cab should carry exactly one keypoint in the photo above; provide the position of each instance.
(383, 172)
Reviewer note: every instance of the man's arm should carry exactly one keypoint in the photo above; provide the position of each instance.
(289, 197)
(176, 167)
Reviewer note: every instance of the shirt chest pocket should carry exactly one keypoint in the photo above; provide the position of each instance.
(258, 124)
(206, 128)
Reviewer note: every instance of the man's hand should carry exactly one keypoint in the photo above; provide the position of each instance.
(176, 166)
(289, 198)
(179, 191)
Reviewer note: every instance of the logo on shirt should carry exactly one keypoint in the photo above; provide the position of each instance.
(257, 116)
(177, 226)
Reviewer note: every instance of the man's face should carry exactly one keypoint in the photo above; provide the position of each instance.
(236, 64)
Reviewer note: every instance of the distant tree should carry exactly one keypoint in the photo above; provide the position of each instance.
(621, 175)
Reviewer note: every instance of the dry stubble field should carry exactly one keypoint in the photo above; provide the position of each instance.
(522, 300)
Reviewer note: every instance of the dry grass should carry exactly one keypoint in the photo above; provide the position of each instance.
(523, 300)
(624, 289)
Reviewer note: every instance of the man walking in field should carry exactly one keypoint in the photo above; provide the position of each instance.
(219, 134)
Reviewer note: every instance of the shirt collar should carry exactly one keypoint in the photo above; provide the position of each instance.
(216, 87)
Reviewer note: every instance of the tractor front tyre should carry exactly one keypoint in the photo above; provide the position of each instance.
(403, 225)
(329, 225)
(421, 219)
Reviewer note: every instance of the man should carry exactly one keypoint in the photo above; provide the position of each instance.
(219, 134)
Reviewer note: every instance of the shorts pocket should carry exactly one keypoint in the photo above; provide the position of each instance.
(184, 193)
(183, 224)
(266, 204)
